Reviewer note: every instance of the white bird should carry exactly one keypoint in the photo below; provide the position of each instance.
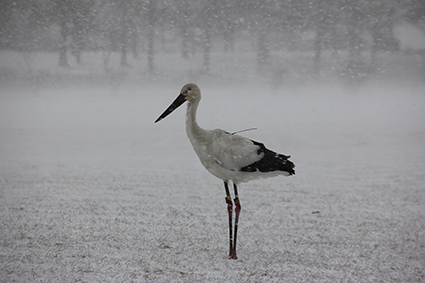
(228, 156)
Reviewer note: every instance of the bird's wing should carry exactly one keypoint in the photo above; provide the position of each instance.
(234, 152)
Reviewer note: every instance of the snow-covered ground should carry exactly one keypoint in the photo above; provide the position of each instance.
(92, 190)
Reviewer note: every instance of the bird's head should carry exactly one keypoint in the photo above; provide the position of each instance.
(189, 92)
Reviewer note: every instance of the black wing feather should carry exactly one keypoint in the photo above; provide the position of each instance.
(271, 161)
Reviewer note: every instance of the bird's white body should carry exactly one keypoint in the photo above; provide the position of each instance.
(223, 154)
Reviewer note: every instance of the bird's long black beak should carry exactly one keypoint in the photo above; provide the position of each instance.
(176, 103)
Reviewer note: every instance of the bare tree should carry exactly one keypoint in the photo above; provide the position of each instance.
(151, 16)
(81, 18)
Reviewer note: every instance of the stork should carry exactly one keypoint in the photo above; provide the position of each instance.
(229, 157)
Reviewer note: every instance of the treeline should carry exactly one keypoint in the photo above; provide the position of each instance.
(131, 27)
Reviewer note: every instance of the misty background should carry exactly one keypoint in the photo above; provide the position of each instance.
(277, 42)
(92, 190)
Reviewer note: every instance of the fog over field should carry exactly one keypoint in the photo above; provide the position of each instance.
(92, 190)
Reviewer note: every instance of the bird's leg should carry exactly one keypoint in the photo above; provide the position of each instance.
(237, 212)
(230, 211)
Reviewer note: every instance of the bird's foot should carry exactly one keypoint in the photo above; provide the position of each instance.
(233, 256)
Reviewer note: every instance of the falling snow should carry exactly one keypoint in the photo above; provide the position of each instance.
(92, 190)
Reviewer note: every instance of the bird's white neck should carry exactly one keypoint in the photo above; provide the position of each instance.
(194, 132)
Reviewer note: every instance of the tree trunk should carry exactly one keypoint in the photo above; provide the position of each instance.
(263, 52)
(63, 60)
(207, 50)
(124, 54)
(134, 45)
(318, 45)
(185, 45)
(151, 35)
(151, 53)
(229, 40)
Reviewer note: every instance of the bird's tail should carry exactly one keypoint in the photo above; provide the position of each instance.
(271, 162)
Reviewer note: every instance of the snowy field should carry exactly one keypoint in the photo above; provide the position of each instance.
(92, 190)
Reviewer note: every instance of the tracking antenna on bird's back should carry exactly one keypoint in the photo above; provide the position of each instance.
(246, 130)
